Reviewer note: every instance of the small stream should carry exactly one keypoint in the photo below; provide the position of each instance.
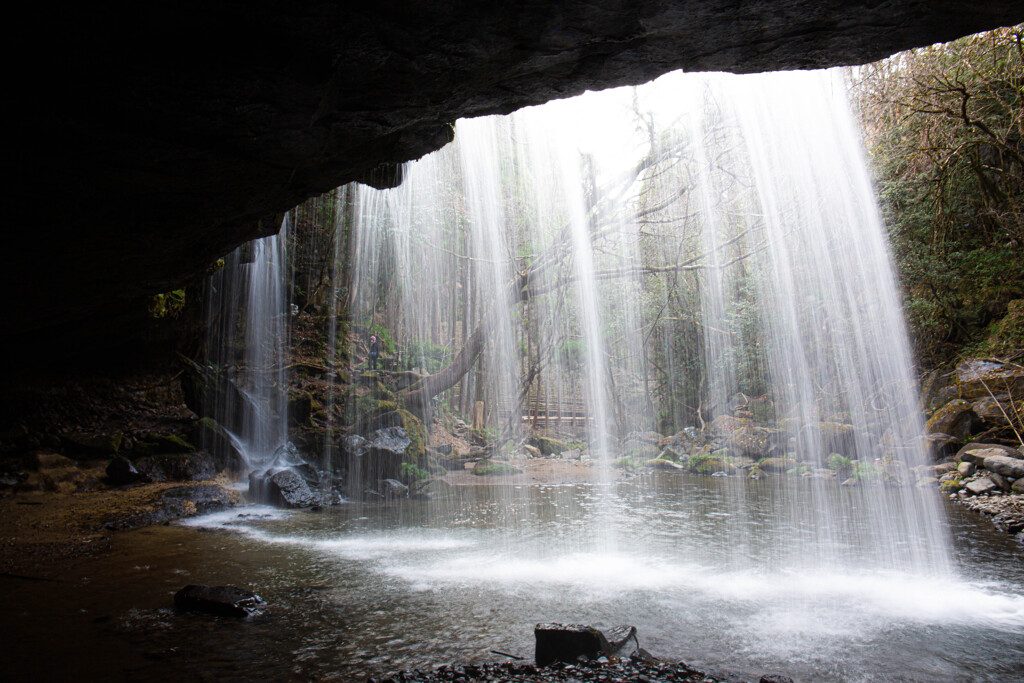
(363, 590)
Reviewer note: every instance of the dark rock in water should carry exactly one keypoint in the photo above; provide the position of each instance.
(308, 473)
(122, 472)
(392, 488)
(569, 642)
(177, 467)
(224, 601)
(284, 488)
(775, 678)
(379, 457)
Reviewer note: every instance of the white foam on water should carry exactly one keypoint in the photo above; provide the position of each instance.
(236, 518)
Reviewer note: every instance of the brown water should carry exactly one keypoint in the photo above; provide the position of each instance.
(365, 590)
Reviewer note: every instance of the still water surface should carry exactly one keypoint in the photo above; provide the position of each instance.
(711, 571)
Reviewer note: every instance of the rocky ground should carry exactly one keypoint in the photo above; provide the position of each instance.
(603, 670)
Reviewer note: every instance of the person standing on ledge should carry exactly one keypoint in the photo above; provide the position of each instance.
(374, 351)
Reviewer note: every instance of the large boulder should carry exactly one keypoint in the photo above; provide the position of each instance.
(81, 445)
(956, 418)
(177, 467)
(1008, 467)
(978, 378)
(977, 452)
(981, 486)
(749, 441)
(377, 457)
(824, 437)
(548, 445)
(121, 472)
(283, 488)
(569, 642)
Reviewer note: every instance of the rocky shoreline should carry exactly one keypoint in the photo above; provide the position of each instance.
(602, 670)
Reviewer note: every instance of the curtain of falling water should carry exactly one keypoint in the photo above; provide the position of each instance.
(775, 222)
(247, 333)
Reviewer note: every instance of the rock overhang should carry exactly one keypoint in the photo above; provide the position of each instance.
(152, 139)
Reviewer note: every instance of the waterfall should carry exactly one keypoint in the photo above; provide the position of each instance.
(750, 197)
(247, 333)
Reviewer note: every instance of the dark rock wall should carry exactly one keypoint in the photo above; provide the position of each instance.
(151, 138)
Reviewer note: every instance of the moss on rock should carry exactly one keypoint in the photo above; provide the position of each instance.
(484, 467)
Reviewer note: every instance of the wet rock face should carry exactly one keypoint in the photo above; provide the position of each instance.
(173, 132)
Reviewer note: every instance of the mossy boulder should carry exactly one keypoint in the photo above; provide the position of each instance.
(820, 438)
(486, 467)
(711, 463)
(626, 463)
(726, 425)
(749, 440)
(956, 419)
(777, 465)
(977, 378)
(548, 445)
(417, 434)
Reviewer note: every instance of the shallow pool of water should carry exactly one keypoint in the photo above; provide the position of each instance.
(740, 586)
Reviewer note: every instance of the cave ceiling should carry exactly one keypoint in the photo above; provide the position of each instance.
(152, 138)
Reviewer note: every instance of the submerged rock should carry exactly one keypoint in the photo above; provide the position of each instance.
(174, 503)
(224, 601)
